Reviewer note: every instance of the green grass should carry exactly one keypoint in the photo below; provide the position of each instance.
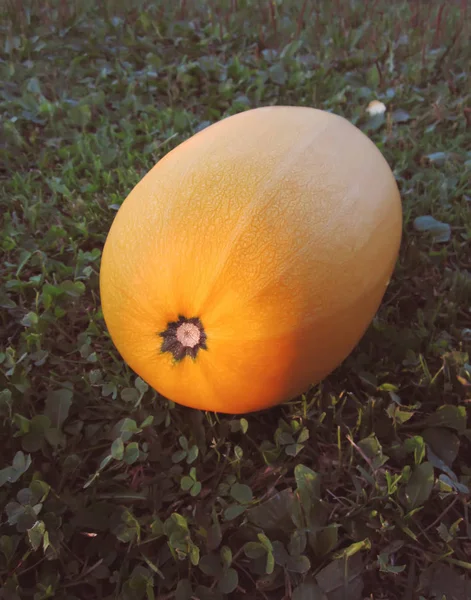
(359, 489)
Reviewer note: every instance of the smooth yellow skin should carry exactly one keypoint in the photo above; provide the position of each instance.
(279, 228)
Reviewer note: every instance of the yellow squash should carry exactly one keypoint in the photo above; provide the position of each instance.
(249, 261)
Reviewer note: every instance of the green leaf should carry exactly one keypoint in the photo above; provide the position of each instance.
(178, 456)
(196, 489)
(373, 77)
(438, 158)
(32, 441)
(147, 421)
(23, 260)
(117, 449)
(25, 496)
(192, 454)
(23, 424)
(293, 449)
(443, 532)
(325, 540)
(39, 490)
(297, 543)
(75, 289)
(398, 414)
(400, 116)
(284, 437)
(57, 407)
(280, 553)
(444, 443)
(21, 464)
(420, 484)
(131, 454)
(186, 483)
(454, 417)
(175, 523)
(36, 534)
(130, 395)
(6, 302)
(210, 564)
(244, 425)
(8, 547)
(214, 538)
(14, 512)
(33, 86)
(441, 232)
(386, 567)
(254, 550)
(270, 564)
(303, 436)
(141, 385)
(264, 540)
(229, 581)
(298, 564)
(226, 556)
(275, 513)
(241, 493)
(278, 74)
(129, 528)
(40, 425)
(80, 115)
(194, 555)
(371, 446)
(291, 49)
(157, 527)
(129, 426)
(309, 486)
(30, 319)
(416, 444)
(233, 511)
(109, 389)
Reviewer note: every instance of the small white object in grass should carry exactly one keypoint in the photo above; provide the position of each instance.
(375, 107)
